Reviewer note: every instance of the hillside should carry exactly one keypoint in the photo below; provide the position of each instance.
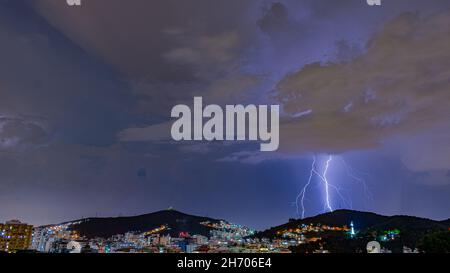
(175, 220)
(446, 223)
(362, 221)
(181, 222)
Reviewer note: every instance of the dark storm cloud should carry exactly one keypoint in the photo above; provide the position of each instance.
(42, 74)
(146, 31)
(168, 50)
(398, 86)
(60, 108)
(276, 22)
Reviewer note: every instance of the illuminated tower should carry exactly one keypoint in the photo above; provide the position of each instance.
(352, 229)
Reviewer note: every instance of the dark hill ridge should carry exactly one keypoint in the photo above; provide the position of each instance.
(409, 223)
(177, 222)
(362, 221)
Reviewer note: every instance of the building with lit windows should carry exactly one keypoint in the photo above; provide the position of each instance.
(15, 236)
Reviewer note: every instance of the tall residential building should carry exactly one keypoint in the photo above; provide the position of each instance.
(14, 236)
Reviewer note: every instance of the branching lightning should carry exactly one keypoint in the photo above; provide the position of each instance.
(322, 173)
(352, 173)
(325, 180)
(302, 193)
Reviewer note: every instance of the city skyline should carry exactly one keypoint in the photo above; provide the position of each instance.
(172, 231)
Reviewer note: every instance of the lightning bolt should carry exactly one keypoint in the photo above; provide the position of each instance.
(301, 195)
(329, 188)
(352, 173)
(325, 180)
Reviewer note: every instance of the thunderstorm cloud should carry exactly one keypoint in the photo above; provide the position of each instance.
(398, 86)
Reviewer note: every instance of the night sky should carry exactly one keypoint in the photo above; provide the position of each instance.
(86, 94)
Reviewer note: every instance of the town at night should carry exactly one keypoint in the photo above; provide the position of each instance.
(198, 129)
